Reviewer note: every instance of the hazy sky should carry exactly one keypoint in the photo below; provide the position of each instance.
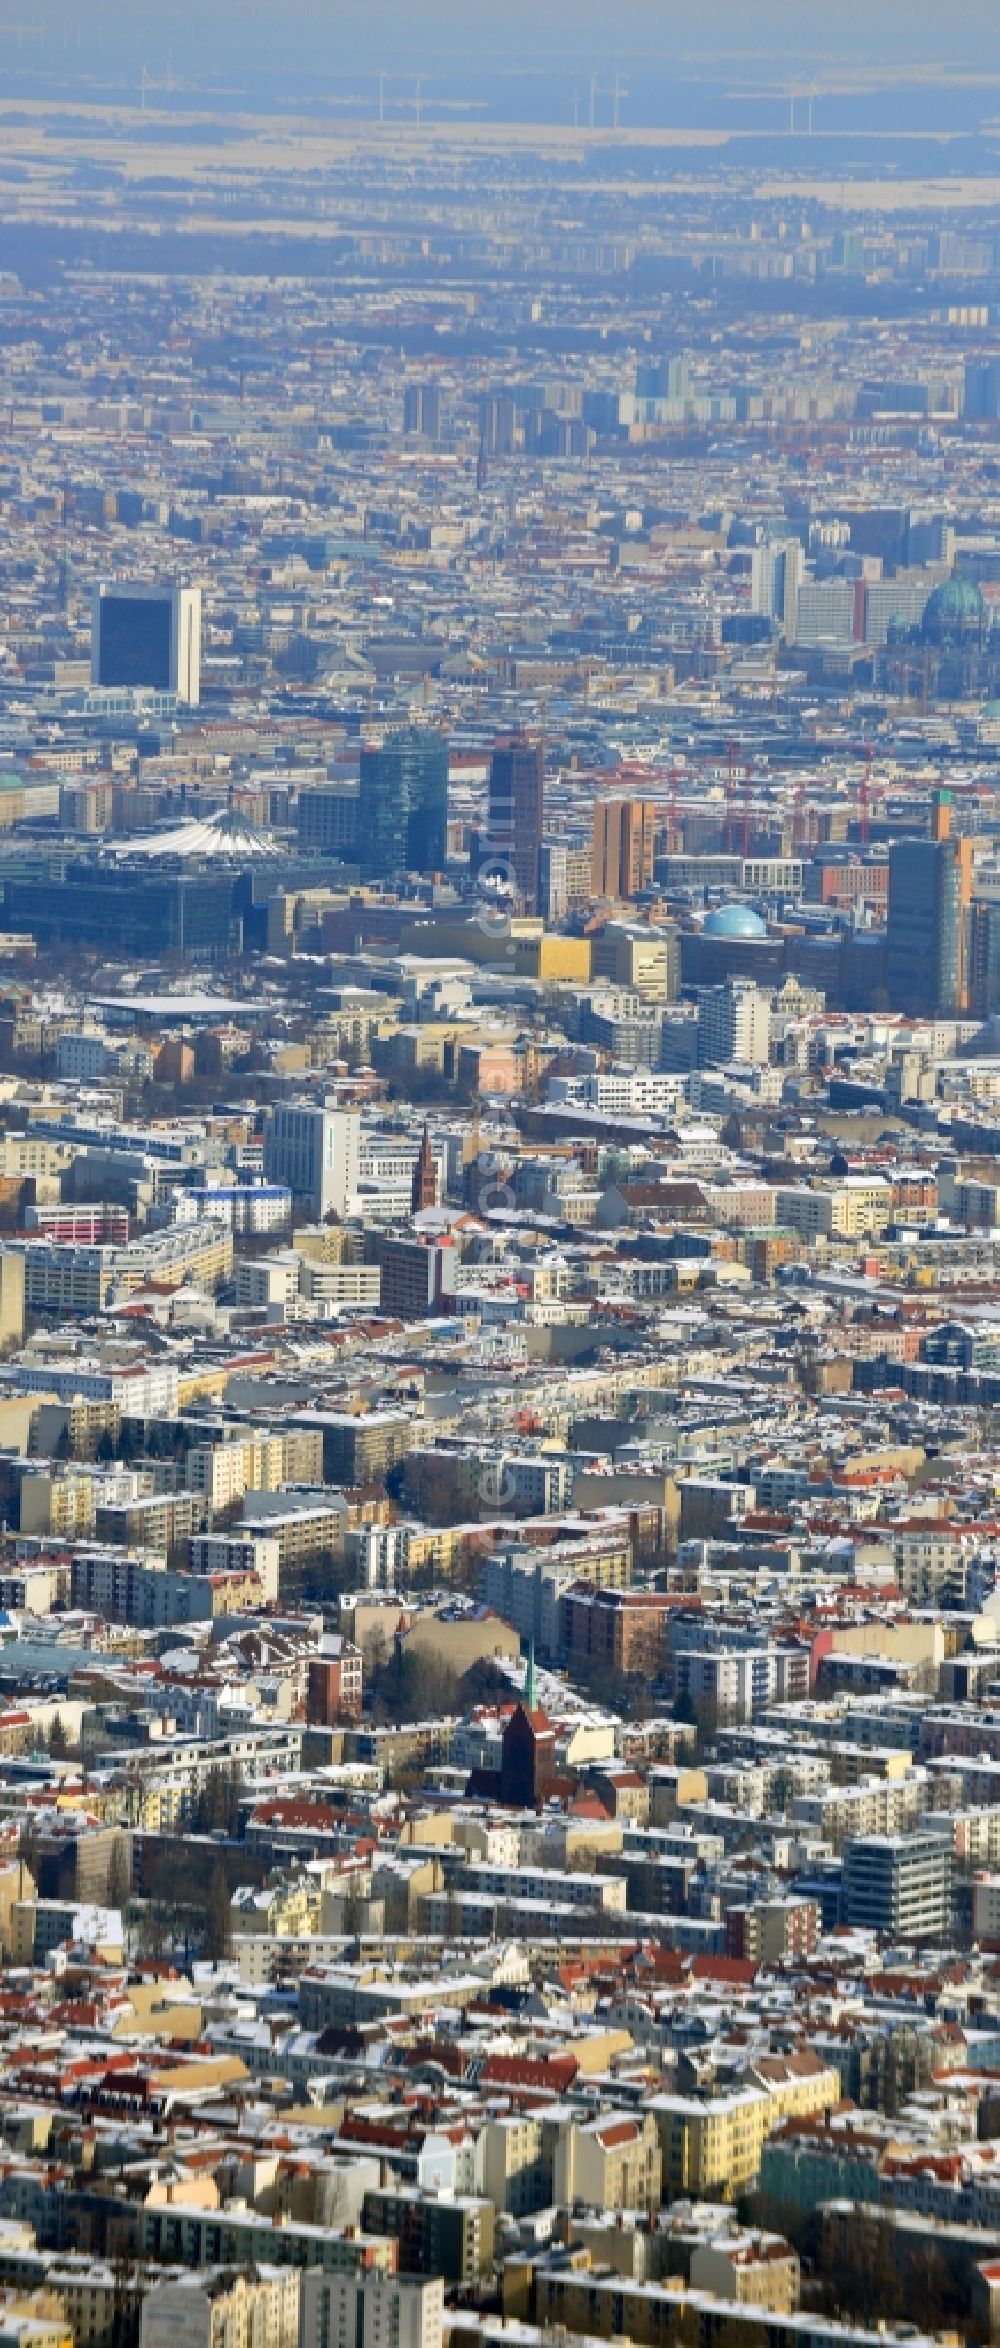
(449, 35)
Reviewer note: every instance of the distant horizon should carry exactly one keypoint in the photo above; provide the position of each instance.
(773, 37)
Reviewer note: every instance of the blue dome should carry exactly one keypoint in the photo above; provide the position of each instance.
(735, 921)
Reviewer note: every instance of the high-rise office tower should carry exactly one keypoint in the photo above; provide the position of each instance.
(982, 390)
(984, 957)
(624, 846)
(403, 805)
(777, 570)
(497, 424)
(315, 1151)
(147, 639)
(734, 1023)
(422, 411)
(927, 935)
(660, 379)
(516, 813)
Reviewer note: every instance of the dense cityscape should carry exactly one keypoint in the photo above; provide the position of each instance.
(499, 1192)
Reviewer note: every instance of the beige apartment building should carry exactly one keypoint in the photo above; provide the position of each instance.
(856, 1208)
(223, 2309)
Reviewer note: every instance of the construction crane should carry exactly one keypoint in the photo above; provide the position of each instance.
(673, 778)
(729, 834)
(800, 817)
(865, 798)
(543, 722)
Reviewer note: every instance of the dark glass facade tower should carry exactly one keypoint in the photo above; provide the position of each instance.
(135, 641)
(516, 813)
(927, 932)
(984, 957)
(403, 805)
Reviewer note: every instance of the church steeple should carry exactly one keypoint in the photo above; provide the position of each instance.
(424, 1187)
(530, 1682)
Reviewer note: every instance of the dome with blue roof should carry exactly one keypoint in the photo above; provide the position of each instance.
(735, 921)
